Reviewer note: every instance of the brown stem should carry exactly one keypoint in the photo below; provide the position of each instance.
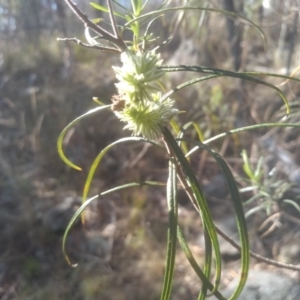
(113, 21)
(257, 256)
(96, 47)
(117, 40)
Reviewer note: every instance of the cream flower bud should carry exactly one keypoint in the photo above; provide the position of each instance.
(138, 75)
(148, 120)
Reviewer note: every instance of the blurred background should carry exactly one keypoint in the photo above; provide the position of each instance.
(45, 84)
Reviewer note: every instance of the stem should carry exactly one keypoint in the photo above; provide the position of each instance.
(96, 47)
(115, 39)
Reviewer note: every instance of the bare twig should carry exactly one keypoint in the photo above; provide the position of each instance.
(275, 218)
(96, 47)
(115, 39)
(113, 20)
(257, 256)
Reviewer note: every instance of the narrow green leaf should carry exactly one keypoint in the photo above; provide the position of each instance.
(207, 265)
(185, 248)
(220, 72)
(172, 230)
(252, 199)
(199, 197)
(145, 4)
(188, 83)
(99, 157)
(259, 172)
(293, 203)
(241, 129)
(87, 202)
(136, 7)
(247, 167)
(239, 212)
(225, 12)
(147, 30)
(208, 245)
(176, 129)
(254, 210)
(105, 9)
(271, 75)
(63, 133)
(197, 128)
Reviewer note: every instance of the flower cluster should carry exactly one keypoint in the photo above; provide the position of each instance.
(139, 102)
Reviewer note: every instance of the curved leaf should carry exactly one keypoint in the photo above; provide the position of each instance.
(201, 203)
(207, 265)
(271, 75)
(185, 248)
(225, 12)
(99, 157)
(172, 230)
(63, 133)
(105, 9)
(240, 216)
(221, 72)
(87, 202)
(186, 84)
(241, 129)
(208, 245)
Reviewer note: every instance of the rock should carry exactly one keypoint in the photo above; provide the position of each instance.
(264, 285)
(290, 252)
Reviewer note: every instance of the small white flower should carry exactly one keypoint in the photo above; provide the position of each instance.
(138, 75)
(148, 120)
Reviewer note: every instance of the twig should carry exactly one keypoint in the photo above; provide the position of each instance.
(275, 218)
(257, 256)
(96, 47)
(115, 39)
(113, 20)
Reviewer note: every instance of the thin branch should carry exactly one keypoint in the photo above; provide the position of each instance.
(257, 256)
(96, 47)
(113, 21)
(89, 23)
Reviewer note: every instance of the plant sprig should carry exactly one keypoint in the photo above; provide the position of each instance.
(147, 110)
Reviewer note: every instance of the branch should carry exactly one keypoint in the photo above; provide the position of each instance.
(116, 39)
(113, 20)
(96, 47)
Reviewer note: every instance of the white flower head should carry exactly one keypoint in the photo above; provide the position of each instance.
(148, 120)
(138, 75)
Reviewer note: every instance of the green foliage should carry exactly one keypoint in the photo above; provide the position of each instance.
(268, 190)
